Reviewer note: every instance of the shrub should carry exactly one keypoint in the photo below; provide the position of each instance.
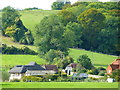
(15, 80)
(31, 79)
(101, 73)
(52, 77)
(14, 50)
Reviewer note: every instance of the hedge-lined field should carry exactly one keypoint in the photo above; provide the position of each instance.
(59, 85)
(12, 60)
(97, 58)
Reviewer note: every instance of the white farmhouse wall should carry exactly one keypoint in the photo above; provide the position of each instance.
(15, 76)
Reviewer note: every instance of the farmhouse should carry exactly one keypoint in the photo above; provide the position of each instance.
(69, 68)
(115, 65)
(31, 69)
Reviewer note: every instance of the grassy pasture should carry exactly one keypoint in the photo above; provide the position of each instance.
(12, 60)
(32, 17)
(59, 85)
(98, 59)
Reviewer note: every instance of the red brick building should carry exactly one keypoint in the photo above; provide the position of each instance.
(115, 65)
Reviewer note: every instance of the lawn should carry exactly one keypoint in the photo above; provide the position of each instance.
(59, 85)
(98, 59)
(12, 60)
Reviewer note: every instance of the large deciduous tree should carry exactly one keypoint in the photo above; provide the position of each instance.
(66, 16)
(9, 16)
(51, 34)
(57, 5)
(92, 21)
(85, 62)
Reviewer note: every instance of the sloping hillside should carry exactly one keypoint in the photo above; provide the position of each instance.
(32, 17)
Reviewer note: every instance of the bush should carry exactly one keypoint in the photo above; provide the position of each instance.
(64, 75)
(31, 79)
(15, 80)
(14, 50)
(101, 73)
(51, 77)
(83, 71)
(101, 68)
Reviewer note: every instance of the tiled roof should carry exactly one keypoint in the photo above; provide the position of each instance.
(73, 65)
(116, 62)
(51, 67)
(114, 66)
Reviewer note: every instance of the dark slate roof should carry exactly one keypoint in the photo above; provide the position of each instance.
(32, 63)
(24, 68)
(51, 67)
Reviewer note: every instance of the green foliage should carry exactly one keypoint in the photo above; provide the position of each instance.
(15, 80)
(51, 55)
(57, 5)
(14, 50)
(50, 77)
(34, 8)
(116, 75)
(63, 62)
(95, 71)
(77, 30)
(66, 16)
(92, 22)
(14, 28)
(50, 34)
(102, 73)
(31, 79)
(9, 16)
(85, 62)
(5, 75)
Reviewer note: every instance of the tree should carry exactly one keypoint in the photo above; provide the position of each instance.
(51, 55)
(64, 61)
(77, 30)
(14, 28)
(66, 16)
(116, 75)
(9, 16)
(57, 5)
(92, 21)
(106, 43)
(51, 34)
(85, 62)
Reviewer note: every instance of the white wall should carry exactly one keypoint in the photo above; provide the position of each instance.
(15, 76)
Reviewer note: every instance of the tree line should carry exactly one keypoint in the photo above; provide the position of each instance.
(89, 25)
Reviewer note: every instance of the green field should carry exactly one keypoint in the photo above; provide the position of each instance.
(32, 17)
(97, 59)
(59, 85)
(12, 60)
